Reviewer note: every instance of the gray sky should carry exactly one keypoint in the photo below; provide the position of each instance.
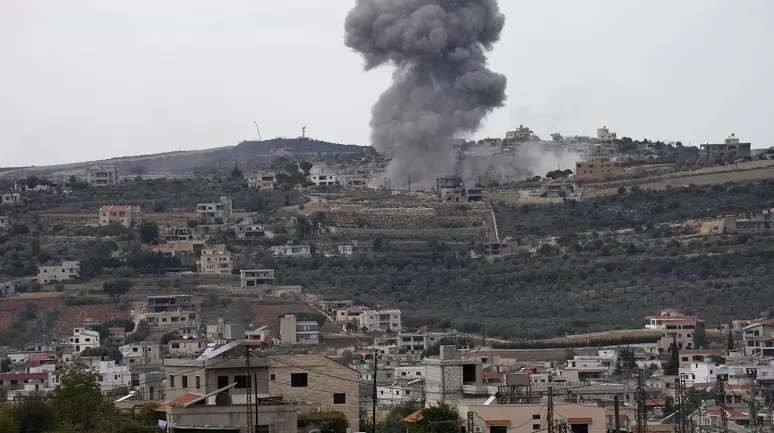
(89, 79)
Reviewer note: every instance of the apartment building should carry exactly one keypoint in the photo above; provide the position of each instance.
(10, 198)
(127, 216)
(758, 338)
(324, 179)
(215, 262)
(259, 336)
(597, 169)
(731, 148)
(193, 346)
(291, 250)
(256, 278)
(112, 377)
(762, 222)
(102, 176)
(451, 378)
(529, 418)
(215, 213)
(675, 327)
(522, 133)
(249, 231)
(222, 333)
(381, 320)
(141, 353)
(65, 271)
(82, 339)
(172, 312)
(266, 180)
(348, 315)
(604, 134)
(5, 224)
(294, 331)
(117, 337)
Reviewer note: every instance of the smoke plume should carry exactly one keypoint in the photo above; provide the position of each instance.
(441, 87)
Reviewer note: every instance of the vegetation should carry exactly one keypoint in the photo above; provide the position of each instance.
(331, 421)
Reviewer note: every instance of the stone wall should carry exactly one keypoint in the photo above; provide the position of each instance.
(467, 233)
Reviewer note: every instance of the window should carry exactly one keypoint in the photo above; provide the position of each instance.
(222, 381)
(298, 380)
(241, 381)
(535, 426)
(263, 428)
(171, 381)
(185, 381)
(272, 377)
(498, 429)
(536, 416)
(339, 398)
(198, 382)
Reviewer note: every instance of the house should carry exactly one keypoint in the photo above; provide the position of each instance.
(117, 337)
(141, 353)
(597, 169)
(674, 327)
(731, 148)
(266, 180)
(522, 133)
(316, 379)
(112, 377)
(763, 222)
(294, 331)
(173, 233)
(11, 198)
(384, 320)
(291, 250)
(259, 336)
(450, 377)
(529, 418)
(62, 272)
(356, 249)
(348, 315)
(758, 338)
(358, 179)
(164, 250)
(221, 332)
(215, 262)
(193, 346)
(604, 134)
(558, 188)
(215, 213)
(82, 339)
(7, 290)
(506, 246)
(16, 384)
(172, 312)
(256, 278)
(5, 224)
(127, 216)
(249, 231)
(324, 179)
(417, 341)
(102, 176)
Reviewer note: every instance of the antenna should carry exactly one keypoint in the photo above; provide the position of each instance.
(303, 132)
(259, 131)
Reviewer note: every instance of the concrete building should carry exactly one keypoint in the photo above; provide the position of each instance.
(256, 278)
(266, 180)
(356, 249)
(68, 270)
(451, 378)
(249, 231)
(598, 169)
(356, 179)
(10, 199)
(215, 262)
(5, 224)
(117, 337)
(604, 134)
(762, 222)
(528, 418)
(522, 133)
(7, 290)
(215, 213)
(112, 377)
(294, 331)
(82, 339)
(348, 315)
(323, 383)
(324, 179)
(172, 312)
(382, 320)
(141, 353)
(675, 327)
(127, 216)
(291, 250)
(730, 149)
(102, 176)
(191, 346)
(174, 233)
(558, 188)
(259, 336)
(222, 333)
(462, 194)
(758, 338)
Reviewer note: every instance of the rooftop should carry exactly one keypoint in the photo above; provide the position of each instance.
(114, 208)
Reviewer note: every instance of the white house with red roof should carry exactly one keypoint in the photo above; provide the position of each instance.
(127, 216)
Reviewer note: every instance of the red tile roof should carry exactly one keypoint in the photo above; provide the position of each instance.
(414, 417)
(732, 414)
(655, 403)
(183, 399)
(114, 208)
(674, 318)
(492, 375)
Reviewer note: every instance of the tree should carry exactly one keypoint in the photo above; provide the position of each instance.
(730, 341)
(305, 166)
(7, 422)
(556, 137)
(116, 288)
(236, 173)
(440, 418)
(78, 399)
(672, 368)
(127, 324)
(699, 337)
(331, 421)
(34, 413)
(149, 232)
(5, 365)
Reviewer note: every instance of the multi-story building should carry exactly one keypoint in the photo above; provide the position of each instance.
(216, 213)
(191, 346)
(172, 312)
(66, 271)
(675, 327)
(762, 222)
(117, 337)
(266, 180)
(141, 353)
(249, 231)
(127, 216)
(82, 339)
(292, 250)
(5, 224)
(256, 278)
(383, 320)
(529, 418)
(17, 384)
(451, 378)
(758, 338)
(324, 179)
(598, 168)
(215, 261)
(348, 315)
(522, 133)
(222, 333)
(102, 176)
(604, 134)
(294, 331)
(112, 377)
(11, 198)
(418, 341)
(731, 148)
(260, 335)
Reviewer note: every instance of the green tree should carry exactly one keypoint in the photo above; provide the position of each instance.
(127, 324)
(440, 418)
(34, 413)
(5, 365)
(331, 421)
(236, 173)
(149, 232)
(7, 422)
(305, 166)
(699, 337)
(116, 288)
(672, 368)
(102, 352)
(78, 399)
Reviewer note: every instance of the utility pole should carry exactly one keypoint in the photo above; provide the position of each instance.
(550, 410)
(753, 406)
(677, 423)
(470, 423)
(642, 417)
(720, 400)
(409, 183)
(249, 396)
(255, 388)
(617, 412)
(373, 414)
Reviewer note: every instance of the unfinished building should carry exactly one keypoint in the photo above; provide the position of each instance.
(452, 188)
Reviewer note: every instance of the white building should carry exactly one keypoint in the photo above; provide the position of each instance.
(142, 353)
(112, 377)
(220, 212)
(604, 134)
(384, 320)
(256, 278)
(83, 339)
(324, 179)
(215, 262)
(758, 338)
(102, 176)
(10, 198)
(5, 224)
(523, 133)
(292, 250)
(675, 327)
(63, 272)
(293, 331)
(355, 249)
(265, 180)
(127, 216)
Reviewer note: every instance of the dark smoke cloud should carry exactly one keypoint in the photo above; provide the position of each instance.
(441, 86)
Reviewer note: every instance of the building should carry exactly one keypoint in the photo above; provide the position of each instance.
(172, 312)
(763, 222)
(356, 249)
(112, 377)
(758, 338)
(249, 231)
(191, 346)
(294, 331)
(324, 179)
(675, 327)
(291, 250)
(215, 262)
(451, 378)
(127, 216)
(11, 198)
(7, 290)
(558, 188)
(221, 332)
(265, 180)
(173, 233)
(256, 278)
(215, 213)
(68, 270)
(730, 149)
(382, 320)
(102, 176)
(411, 341)
(348, 315)
(5, 224)
(529, 418)
(503, 247)
(141, 353)
(117, 337)
(462, 194)
(83, 339)
(521, 134)
(357, 179)
(598, 169)
(604, 134)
